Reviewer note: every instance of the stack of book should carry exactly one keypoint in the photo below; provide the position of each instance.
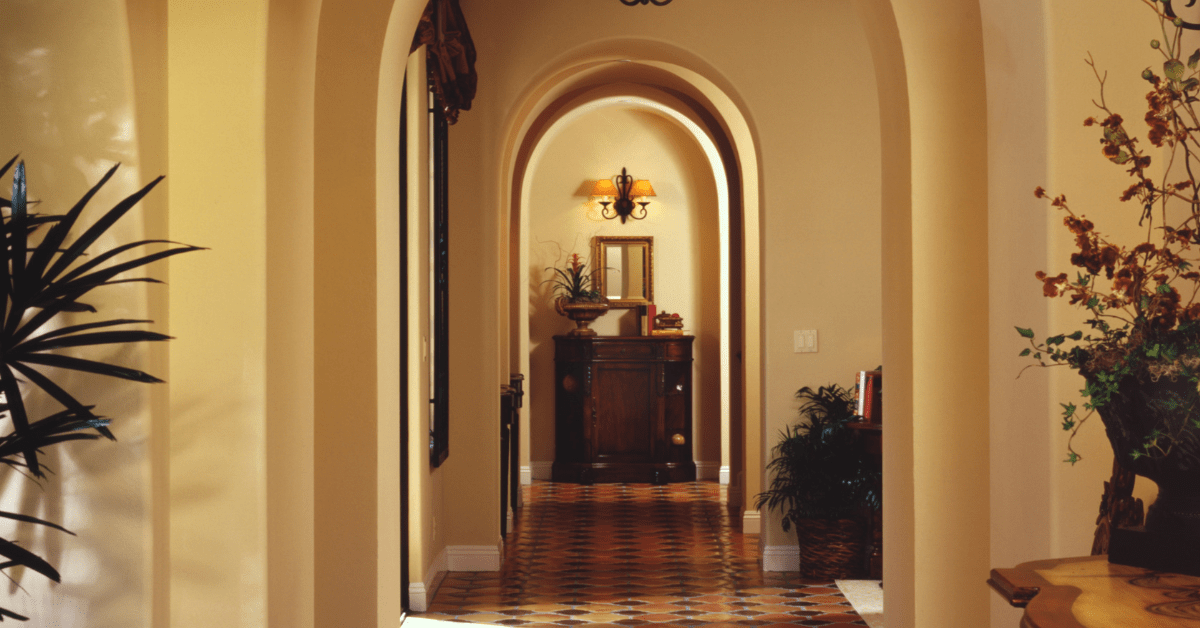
(869, 402)
(667, 324)
(646, 313)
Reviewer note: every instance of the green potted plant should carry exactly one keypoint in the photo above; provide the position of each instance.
(575, 297)
(823, 481)
(1139, 349)
(45, 276)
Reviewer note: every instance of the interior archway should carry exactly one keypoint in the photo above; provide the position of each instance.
(673, 91)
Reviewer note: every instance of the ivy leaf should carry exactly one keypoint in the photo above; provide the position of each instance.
(1068, 409)
(1076, 336)
(1026, 352)
(1190, 84)
(1072, 458)
(1174, 69)
(1194, 59)
(1152, 352)
(1025, 333)
(1093, 302)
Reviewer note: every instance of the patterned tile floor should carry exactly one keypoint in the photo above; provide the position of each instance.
(627, 555)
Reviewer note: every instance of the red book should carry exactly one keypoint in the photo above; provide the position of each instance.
(873, 397)
(651, 312)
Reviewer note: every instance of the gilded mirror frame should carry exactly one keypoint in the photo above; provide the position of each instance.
(600, 246)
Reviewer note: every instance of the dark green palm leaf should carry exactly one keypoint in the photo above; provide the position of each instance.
(74, 409)
(89, 366)
(84, 340)
(21, 556)
(100, 277)
(58, 234)
(105, 256)
(16, 410)
(27, 519)
(93, 233)
(74, 329)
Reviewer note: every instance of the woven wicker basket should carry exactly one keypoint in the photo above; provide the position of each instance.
(830, 549)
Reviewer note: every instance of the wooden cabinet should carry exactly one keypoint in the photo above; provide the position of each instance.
(623, 409)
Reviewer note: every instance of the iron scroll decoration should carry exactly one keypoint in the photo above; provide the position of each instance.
(660, 3)
(1166, 9)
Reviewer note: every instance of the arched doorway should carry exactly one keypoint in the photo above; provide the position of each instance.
(695, 105)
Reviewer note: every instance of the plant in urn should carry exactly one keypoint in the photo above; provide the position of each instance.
(576, 299)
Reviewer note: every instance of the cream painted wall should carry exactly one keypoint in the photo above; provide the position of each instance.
(426, 498)
(1118, 36)
(69, 109)
(218, 301)
(682, 220)
(1015, 53)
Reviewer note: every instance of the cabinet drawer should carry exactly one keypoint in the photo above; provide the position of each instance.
(677, 351)
(629, 350)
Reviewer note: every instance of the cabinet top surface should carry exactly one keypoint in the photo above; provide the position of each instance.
(1090, 592)
(664, 338)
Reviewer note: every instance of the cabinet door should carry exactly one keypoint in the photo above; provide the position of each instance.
(677, 412)
(626, 405)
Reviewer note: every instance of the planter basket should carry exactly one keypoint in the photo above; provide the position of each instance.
(830, 549)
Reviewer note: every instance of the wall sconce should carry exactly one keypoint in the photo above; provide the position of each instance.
(624, 189)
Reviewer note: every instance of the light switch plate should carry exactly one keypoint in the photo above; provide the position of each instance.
(805, 341)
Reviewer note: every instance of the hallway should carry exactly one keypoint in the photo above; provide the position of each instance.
(631, 555)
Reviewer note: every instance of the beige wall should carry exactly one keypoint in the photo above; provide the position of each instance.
(682, 219)
(1120, 45)
(218, 378)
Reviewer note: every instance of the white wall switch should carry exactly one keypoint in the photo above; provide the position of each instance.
(805, 341)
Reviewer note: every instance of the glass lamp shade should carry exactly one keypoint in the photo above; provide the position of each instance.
(604, 187)
(641, 187)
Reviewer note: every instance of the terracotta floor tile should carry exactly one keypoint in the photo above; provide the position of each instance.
(629, 555)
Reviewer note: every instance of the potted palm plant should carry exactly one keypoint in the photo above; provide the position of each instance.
(823, 481)
(576, 299)
(45, 275)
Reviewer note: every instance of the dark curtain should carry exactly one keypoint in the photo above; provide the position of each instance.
(451, 56)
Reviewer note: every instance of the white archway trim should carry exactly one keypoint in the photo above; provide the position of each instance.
(641, 97)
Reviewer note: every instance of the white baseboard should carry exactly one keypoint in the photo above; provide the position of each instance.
(420, 594)
(473, 557)
(780, 557)
(540, 469)
(723, 475)
(707, 470)
(751, 522)
(526, 475)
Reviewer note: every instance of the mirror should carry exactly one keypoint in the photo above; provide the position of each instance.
(626, 269)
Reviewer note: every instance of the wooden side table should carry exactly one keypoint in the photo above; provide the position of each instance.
(1090, 592)
(872, 442)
